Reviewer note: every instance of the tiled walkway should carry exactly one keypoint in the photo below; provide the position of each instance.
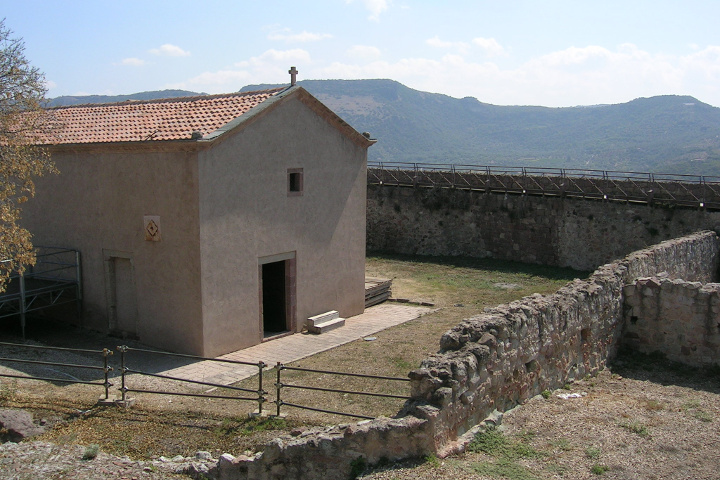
(297, 346)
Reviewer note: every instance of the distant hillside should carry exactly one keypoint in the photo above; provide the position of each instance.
(672, 134)
(85, 99)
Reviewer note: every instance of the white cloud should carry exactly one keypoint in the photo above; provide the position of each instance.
(273, 56)
(364, 52)
(437, 43)
(578, 56)
(302, 37)
(222, 81)
(376, 7)
(573, 76)
(269, 67)
(132, 62)
(490, 46)
(169, 50)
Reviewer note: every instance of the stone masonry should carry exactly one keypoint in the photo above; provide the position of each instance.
(512, 352)
(567, 232)
(681, 319)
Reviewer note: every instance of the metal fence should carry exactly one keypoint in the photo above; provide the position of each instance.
(128, 355)
(699, 191)
(104, 367)
(259, 397)
(279, 385)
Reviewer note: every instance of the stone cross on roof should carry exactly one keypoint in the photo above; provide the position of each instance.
(293, 75)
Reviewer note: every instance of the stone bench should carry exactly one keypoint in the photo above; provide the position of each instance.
(324, 322)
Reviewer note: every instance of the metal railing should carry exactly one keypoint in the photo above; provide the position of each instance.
(54, 280)
(279, 385)
(701, 191)
(105, 368)
(259, 397)
(259, 394)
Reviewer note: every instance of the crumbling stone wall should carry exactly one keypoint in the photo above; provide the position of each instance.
(512, 352)
(331, 452)
(567, 232)
(491, 361)
(681, 319)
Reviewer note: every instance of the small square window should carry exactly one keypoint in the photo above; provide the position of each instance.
(295, 181)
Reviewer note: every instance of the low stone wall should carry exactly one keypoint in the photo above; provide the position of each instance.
(513, 352)
(681, 319)
(331, 452)
(492, 361)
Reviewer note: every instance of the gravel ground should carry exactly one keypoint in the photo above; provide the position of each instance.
(40, 460)
(645, 421)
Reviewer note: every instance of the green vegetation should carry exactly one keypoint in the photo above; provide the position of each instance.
(432, 460)
(593, 453)
(465, 281)
(358, 467)
(692, 407)
(637, 428)
(507, 452)
(504, 469)
(493, 442)
(599, 469)
(562, 443)
(91, 451)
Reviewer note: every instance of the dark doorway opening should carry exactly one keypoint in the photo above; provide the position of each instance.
(274, 299)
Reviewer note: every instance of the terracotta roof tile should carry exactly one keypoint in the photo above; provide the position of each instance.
(154, 120)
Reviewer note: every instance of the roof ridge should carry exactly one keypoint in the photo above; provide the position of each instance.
(271, 91)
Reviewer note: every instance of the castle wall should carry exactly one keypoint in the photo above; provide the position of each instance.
(567, 232)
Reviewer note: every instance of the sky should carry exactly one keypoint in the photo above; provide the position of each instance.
(553, 53)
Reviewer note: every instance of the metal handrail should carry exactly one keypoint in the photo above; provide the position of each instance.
(547, 171)
(260, 397)
(279, 385)
(639, 187)
(106, 369)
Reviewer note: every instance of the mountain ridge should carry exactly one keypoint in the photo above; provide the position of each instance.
(667, 133)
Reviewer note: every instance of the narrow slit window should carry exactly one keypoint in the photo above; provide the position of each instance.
(295, 181)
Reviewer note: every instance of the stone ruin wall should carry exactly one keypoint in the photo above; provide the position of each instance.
(513, 352)
(495, 360)
(681, 319)
(566, 232)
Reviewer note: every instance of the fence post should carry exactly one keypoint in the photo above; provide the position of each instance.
(107, 369)
(278, 386)
(123, 369)
(261, 392)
